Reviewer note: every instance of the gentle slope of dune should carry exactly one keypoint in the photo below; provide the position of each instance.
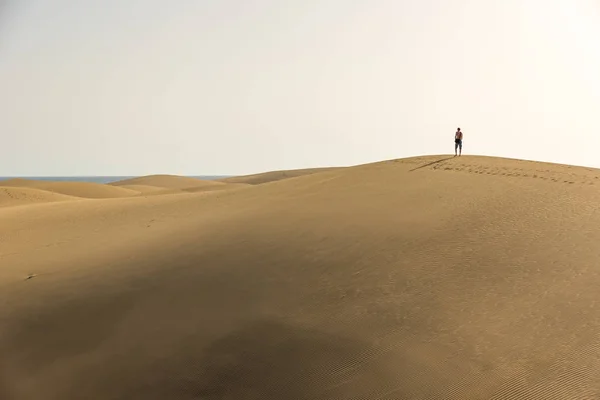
(422, 278)
(227, 186)
(16, 196)
(257, 179)
(143, 188)
(194, 189)
(167, 182)
(78, 189)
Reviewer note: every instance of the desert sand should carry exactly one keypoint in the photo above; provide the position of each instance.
(167, 182)
(15, 196)
(257, 179)
(75, 189)
(423, 278)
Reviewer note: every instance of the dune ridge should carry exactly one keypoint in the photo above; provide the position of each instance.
(77, 189)
(423, 278)
(17, 196)
(167, 182)
(266, 177)
(142, 189)
(152, 185)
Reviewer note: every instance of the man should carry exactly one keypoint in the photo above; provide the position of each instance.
(458, 137)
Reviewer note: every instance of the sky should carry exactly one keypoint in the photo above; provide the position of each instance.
(227, 87)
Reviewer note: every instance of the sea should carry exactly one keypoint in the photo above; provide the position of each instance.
(97, 179)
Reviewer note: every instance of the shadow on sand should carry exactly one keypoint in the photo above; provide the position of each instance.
(271, 361)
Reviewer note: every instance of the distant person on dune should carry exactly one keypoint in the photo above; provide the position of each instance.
(458, 137)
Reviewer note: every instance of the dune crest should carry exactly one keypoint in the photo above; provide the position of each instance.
(265, 177)
(143, 189)
(167, 182)
(77, 189)
(16, 196)
(155, 185)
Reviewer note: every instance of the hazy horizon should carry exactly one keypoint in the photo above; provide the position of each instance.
(237, 87)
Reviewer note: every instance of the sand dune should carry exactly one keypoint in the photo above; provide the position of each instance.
(78, 189)
(422, 278)
(16, 196)
(227, 186)
(194, 189)
(167, 182)
(257, 179)
(143, 188)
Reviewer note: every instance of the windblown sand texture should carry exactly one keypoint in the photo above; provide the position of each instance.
(423, 278)
(76, 189)
(167, 182)
(170, 184)
(257, 179)
(14, 196)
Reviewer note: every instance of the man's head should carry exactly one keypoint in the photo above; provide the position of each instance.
(458, 129)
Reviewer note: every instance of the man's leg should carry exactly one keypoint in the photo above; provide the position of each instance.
(460, 148)
(455, 148)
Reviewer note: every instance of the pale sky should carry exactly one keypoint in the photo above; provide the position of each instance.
(134, 87)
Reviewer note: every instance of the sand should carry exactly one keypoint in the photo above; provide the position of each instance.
(76, 189)
(272, 176)
(423, 278)
(143, 189)
(226, 186)
(15, 196)
(26, 191)
(167, 182)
